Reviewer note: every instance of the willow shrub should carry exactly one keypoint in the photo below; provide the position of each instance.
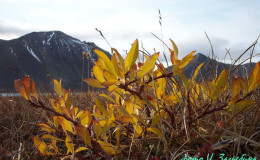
(144, 103)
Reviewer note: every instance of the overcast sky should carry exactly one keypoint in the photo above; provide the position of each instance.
(232, 24)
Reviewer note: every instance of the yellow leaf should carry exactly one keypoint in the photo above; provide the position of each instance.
(109, 83)
(84, 134)
(116, 66)
(197, 71)
(80, 149)
(107, 61)
(120, 58)
(236, 87)
(155, 119)
(222, 80)
(46, 128)
(117, 134)
(40, 145)
(47, 136)
(18, 85)
(69, 145)
(65, 111)
(56, 106)
(66, 94)
(254, 79)
(160, 86)
(98, 73)
(79, 114)
(129, 107)
(148, 65)
(56, 121)
(93, 83)
(107, 147)
(173, 98)
(108, 98)
(186, 60)
(97, 130)
(101, 107)
(57, 87)
(101, 64)
(244, 85)
(106, 126)
(245, 104)
(85, 119)
(175, 49)
(132, 56)
(138, 129)
(109, 76)
(66, 125)
(156, 131)
(196, 91)
(183, 78)
(126, 119)
(123, 110)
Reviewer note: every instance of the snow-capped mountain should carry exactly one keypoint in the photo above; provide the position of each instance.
(43, 56)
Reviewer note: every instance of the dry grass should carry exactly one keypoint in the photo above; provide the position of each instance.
(19, 121)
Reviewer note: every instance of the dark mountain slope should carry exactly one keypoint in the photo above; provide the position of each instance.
(44, 55)
(206, 70)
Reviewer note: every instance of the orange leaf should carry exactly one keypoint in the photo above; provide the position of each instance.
(34, 90)
(84, 134)
(18, 85)
(173, 59)
(27, 85)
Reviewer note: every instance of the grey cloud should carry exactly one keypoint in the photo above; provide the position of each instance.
(7, 28)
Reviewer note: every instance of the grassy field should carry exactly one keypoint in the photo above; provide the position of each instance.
(19, 121)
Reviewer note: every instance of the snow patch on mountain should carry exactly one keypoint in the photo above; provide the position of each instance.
(12, 51)
(48, 41)
(77, 41)
(31, 51)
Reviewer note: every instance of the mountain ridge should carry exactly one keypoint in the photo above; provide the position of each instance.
(217, 66)
(45, 55)
(54, 54)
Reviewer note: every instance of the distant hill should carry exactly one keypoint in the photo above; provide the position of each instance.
(206, 70)
(43, 56)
